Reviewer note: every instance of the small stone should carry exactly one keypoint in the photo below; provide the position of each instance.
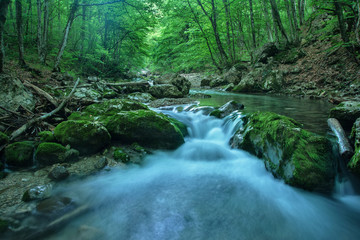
(58, 173)
(37, 193)
(101, 163)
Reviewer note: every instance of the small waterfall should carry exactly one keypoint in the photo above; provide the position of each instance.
(206, 190)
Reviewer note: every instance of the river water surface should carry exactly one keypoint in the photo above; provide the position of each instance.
(206, 190)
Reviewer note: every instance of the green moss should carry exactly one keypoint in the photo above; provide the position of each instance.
(121, 156)
(181, 126)
(85, 136)
(146, 127)
(4, 139)
(216, 113)
(299, 157)
(46, 136)
(20, 154)
(50, 153)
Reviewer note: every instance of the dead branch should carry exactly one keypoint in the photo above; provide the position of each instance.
(42, 93)
(24, 127)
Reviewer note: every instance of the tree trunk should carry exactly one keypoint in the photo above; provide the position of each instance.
(228, 38)
(277, 19)
(345, 148)
(294, 34)
(71, 18)
(3, 12)
(45, 32)
(301, 9)
(82, 35)
(213, 20)
(340, 15)
(29, 17)
(357, 28)
(267, 20)
(293, 12)
(39, 35)
(252, 24)
(205, 37)
(20, 36)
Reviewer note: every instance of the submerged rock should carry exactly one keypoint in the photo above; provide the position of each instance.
(20, 154)
(227, 109)
(146, 127)
(38, 193)
(302, 158)
(346, 113)
(354, 164)
(85, 136)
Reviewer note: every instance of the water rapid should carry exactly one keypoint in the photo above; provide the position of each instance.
(206, 190)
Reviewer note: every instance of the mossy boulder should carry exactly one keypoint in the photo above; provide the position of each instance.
(141, 97)
(121, 156)
(165, 91)
(4, 139)
(347, 113)
(20, 154)
(50, 153)
(108, 108)
(146, 127)
(46, 136)
(302, 158)
(354, 164)
(85, 136)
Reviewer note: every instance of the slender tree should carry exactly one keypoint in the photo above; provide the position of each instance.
(20, 35)
(252, 24)
(277, 19)
(3, 12)
(340, 16)
(267, 21)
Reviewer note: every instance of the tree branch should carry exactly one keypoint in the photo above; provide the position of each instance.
(23, 128)
(100, 4)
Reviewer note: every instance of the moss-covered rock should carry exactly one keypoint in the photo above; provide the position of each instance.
(50, 153)
(181, 126)
(4, 139)
(85, 136)
(354, 164)
(165, 91)
(346, 113)
(20, 154)
(146, 127)
(303, 159)
(121, 156)
(107, 108)
(46, 136)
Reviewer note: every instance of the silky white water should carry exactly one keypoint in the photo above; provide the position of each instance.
(205, 190)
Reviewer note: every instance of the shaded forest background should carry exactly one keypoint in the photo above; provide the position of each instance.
(114, 38)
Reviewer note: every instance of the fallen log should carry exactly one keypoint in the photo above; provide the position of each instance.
(23, 128)
(345, 148)
(129, 84)
(42, 93)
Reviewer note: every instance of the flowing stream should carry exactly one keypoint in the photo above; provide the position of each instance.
(205, 190)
